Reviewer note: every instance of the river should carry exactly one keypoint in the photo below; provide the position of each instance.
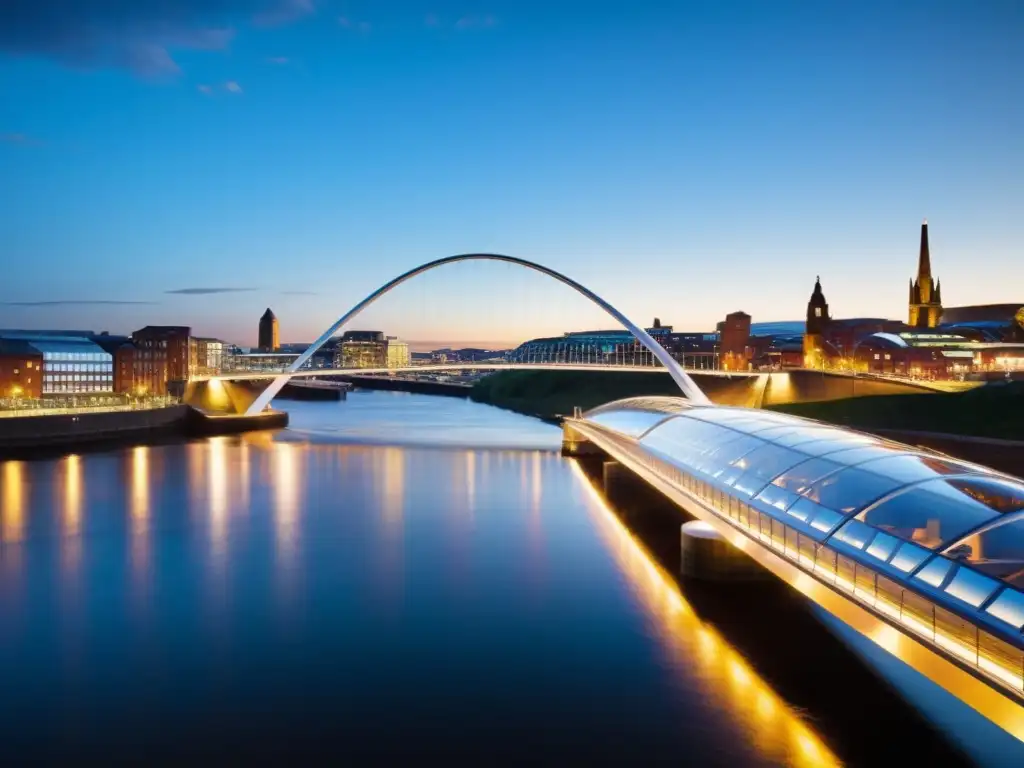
(393, 577)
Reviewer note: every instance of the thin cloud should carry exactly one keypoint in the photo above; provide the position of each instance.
(18, 138)
(232, 87)
(362, 26)
(279, 60)
(72, 303)
(476, 22)
(299, 293)
(204, 89)
(206, 291)
(432, 20)
(138, 35)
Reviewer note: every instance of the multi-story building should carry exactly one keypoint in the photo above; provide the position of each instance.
(269, 332)
(361, 349)
(61, 365)
(208, 354)
(397, 353)
(734, 333)
(123, 352)
(164, 353)
(21, 370)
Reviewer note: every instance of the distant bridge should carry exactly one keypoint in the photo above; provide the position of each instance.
(442, 367)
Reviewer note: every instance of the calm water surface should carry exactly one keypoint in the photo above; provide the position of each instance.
(345, 586)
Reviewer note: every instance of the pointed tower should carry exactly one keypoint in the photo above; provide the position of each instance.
(925, 296)
(268, 339)
(818, 320)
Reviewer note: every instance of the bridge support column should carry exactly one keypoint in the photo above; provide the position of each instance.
(706, 554)
(575, 444)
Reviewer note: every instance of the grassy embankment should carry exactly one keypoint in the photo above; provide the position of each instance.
(992, 411)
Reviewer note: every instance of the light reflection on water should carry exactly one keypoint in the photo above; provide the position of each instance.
(459, 594)
(779, 733)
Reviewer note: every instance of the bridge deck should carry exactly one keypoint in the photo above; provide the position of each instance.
(442, 367)
(970, 661)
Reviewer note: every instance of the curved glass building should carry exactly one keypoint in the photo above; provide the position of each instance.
(934, 544)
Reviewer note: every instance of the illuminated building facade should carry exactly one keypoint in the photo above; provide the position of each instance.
(269, 332)
(397, 353)
(122, 351)
(925, 293)
(735, 336)
(361, 349)
(163, 354)
(611, 347)
(21, 370)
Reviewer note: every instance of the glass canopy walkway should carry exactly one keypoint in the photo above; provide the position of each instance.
(933, 545)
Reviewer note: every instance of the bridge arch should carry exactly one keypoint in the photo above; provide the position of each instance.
(685, 383)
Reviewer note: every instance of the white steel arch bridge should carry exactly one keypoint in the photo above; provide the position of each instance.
(686, 385)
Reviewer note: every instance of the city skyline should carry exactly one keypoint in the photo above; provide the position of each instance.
(683, 163)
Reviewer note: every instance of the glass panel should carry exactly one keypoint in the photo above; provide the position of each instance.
(997, 551)
(882, 545)
(937, 512)
(934, 572)
(777, 497)
(800, 477)
(802, 434)
(1009, 607)
(855, 534)
(850, 490)
(628, 422)
(909, 557)
(910, 469)
(825, 520)
(726, 457)
(865, 453)
(971, 587)
(763, 464)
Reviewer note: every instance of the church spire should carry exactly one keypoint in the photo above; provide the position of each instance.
(924, 261)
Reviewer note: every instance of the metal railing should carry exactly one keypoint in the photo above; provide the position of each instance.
(77, 410)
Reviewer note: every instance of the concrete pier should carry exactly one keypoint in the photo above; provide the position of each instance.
(706, 554)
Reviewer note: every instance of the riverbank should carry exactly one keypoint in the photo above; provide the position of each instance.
(27, 436)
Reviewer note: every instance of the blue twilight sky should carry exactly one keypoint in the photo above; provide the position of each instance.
(683, 159)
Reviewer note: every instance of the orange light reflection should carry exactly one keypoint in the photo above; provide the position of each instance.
(13, 519)
(773, 726)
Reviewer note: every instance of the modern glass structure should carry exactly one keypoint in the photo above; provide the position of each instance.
(932, 544)
(73, 365)
(612, 347)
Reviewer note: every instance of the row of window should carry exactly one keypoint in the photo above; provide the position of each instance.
(996, 658)
(78, 356)
(77, 377)
(79, 367)
(75, 386)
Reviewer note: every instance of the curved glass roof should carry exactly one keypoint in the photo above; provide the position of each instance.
(923, 517)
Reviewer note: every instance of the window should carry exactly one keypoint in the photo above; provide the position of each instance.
(1009, 607)
(28, 364)
(909, 557)
(971, 587)
(935, 572)
(16, 371)
(877, 356)
(888, 356)
(817, 311)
